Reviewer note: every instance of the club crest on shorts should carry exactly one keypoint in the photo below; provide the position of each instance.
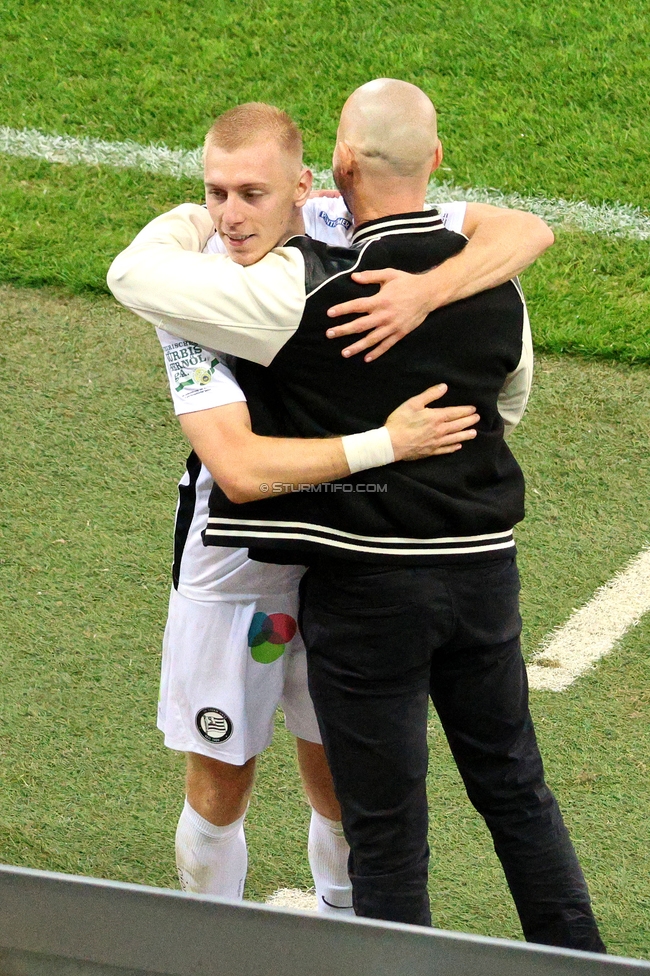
(213, 724)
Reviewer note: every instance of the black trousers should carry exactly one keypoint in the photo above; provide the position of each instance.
(380, 641)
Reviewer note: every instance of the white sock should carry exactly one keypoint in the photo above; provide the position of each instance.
(211, 860)
(328, 859)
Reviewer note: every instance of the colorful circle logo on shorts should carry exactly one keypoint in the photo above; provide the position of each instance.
(213, 724)
(268, 634)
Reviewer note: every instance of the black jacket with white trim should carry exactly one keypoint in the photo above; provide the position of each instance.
(458, 506)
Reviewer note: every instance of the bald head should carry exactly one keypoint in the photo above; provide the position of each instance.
(390, 125)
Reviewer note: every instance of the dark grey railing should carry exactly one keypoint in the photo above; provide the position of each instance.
(59, 925)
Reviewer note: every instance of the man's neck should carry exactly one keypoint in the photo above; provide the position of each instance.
(362, 216)
(372, 201)
(297, 225)
(296, 228)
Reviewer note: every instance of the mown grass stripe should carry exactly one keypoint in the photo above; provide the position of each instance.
(593, 630)
(613, 220)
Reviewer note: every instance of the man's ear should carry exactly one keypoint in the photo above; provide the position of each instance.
(345, 157)
(437, 157)
(343, 166)
(303, 189)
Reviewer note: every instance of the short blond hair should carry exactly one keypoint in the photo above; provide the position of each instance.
(252, 122)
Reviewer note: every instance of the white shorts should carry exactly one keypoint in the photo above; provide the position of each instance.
(226, 667)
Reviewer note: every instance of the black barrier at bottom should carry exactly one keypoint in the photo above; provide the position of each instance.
(60, 925)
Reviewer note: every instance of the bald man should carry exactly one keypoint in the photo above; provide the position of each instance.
(412, 585)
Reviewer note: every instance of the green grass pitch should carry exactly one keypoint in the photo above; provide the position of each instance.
(547, 100)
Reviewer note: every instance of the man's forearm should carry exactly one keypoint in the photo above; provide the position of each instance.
(502, 244)
(264, 465)
(248, 466)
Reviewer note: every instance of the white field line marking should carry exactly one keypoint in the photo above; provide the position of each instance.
(617, 220)
(593, 630)
(610, 219)
(33, 144)
(294, 898)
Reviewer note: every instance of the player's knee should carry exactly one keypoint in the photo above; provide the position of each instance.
(217, 790)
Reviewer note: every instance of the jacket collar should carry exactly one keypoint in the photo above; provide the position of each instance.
(407, 223)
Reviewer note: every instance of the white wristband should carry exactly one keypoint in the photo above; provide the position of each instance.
(370, 449)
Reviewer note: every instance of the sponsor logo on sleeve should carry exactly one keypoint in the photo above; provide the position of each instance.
(188, 367)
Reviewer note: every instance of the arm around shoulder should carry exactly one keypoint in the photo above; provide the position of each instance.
(164, 277)
(502, 243)
(518, 230)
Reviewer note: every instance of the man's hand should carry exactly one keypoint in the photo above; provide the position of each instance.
(401, 304)
(502, 243)
(417, 431)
